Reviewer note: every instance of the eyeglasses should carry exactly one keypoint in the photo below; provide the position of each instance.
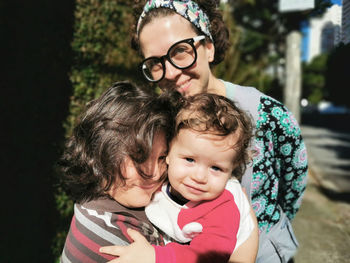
(181, 55)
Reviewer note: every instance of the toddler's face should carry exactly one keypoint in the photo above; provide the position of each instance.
(200, 164)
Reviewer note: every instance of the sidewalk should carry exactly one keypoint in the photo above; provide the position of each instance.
(322, 225)
(329, 157)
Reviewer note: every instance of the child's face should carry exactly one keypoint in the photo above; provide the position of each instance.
(137, 192)
(200, 164)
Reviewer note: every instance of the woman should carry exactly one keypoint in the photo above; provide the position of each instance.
(112, 165)
(180, 42)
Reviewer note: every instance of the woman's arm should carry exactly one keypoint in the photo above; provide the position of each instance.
(290, 162)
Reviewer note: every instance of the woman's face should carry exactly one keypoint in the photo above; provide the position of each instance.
(137, 192)
(157, 37)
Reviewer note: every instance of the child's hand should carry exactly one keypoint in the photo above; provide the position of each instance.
(138, 251)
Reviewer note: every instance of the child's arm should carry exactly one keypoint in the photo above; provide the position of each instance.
(247, 252)
(138, 251)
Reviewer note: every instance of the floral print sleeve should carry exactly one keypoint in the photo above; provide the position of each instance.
(280, 165)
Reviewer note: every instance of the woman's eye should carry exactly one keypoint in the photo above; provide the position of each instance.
(179, 50)
(190, 160)
(162, 158)
(156, 67)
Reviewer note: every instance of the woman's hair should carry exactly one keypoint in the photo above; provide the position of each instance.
(215, 114)
(219, 30)
(121, 123)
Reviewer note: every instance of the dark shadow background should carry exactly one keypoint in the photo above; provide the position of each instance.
(35, 61)
(336, 122)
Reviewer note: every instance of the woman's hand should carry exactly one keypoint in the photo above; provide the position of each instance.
(138, 251)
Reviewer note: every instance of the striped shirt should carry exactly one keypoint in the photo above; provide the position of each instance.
(103, 222)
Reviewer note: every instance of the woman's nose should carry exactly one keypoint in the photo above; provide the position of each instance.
(171, 72)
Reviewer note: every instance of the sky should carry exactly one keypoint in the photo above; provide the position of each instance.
(336, 2)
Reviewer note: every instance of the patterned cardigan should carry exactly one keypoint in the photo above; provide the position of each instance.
(277, 178)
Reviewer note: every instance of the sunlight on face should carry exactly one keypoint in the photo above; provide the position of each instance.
(159, 35)
(200, 164)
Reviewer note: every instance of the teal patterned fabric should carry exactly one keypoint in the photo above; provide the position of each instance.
(277, 178)
(186, 8)
(279, 165)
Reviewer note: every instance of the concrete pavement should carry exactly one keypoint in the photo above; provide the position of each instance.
(329, 157)
(322, 225)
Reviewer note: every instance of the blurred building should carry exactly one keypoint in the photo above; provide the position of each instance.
(322, 34)
(346, 22)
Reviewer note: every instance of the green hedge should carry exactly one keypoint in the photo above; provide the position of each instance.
(101, 48)
(101, 56)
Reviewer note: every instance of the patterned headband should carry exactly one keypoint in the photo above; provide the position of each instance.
(186, 8)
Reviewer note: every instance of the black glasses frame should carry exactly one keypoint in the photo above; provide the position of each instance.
(162, 59)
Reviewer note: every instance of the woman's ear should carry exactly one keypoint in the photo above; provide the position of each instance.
(210, 51)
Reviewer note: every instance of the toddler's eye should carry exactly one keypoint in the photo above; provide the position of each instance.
(190, 160)
(215, 168)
